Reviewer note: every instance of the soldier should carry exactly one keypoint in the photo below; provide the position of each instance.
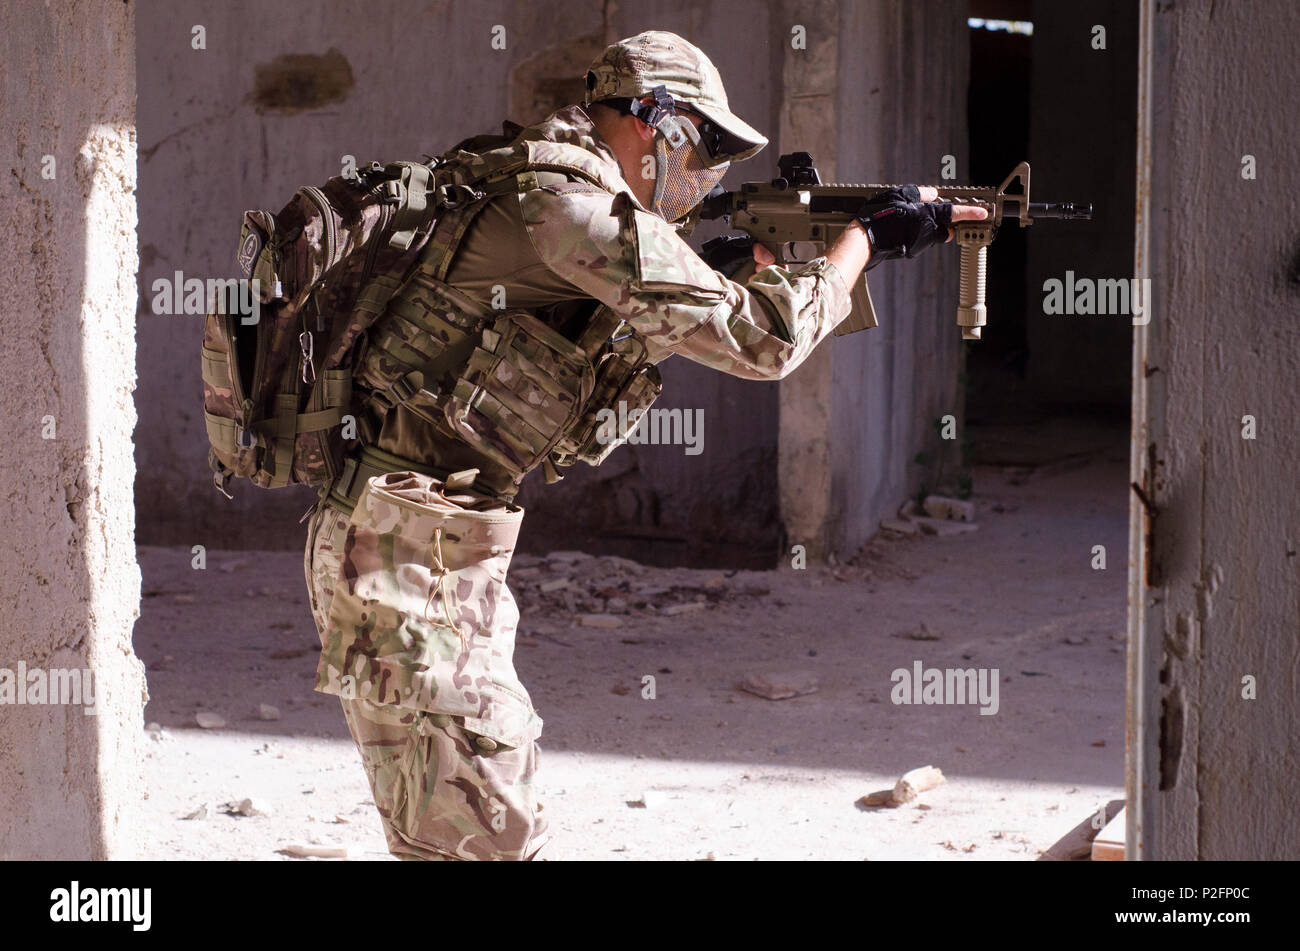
(555, 280)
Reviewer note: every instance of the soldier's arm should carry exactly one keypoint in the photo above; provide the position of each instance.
(638, 265)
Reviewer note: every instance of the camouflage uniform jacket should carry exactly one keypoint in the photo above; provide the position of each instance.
(553, 249)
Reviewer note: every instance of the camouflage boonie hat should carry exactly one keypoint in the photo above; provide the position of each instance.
(633, 67)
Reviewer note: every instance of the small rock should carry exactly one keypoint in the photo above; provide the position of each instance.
(881, 797)
(315, 851)
(780, 686)
(922, 633)
(555, 584)
(674, 609)
(153, 727)
(616, 606)
(253, 807)
(954, 510)
(202, 812)
(908, 787)
(650, 799)
(908, 509)
(568, 557)
(267, 712)
(1076, 641)
(209, 721)
(184, 599)
(944, 528)
(898, 526)
(916, 781)
(624, 564)
(600, 620)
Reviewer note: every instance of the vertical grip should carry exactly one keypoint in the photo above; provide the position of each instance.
(971, 312)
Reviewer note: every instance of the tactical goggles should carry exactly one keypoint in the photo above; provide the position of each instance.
(715, 145)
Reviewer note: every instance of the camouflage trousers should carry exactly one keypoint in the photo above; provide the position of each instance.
(450, 768)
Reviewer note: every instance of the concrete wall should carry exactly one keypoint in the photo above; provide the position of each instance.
(413, 77)
(70, 583)
(1215, 589)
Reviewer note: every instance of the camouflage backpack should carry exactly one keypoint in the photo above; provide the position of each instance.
(277, 382)
(278, 391)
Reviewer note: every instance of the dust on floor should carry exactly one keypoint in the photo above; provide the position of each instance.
(731, 775)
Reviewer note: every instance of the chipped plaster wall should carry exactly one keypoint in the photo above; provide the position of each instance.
(1216, 771)
(67, 559)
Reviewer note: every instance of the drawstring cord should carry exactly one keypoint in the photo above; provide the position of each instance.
(437, 588)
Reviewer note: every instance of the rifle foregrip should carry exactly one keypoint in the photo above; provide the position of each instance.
(971, 313)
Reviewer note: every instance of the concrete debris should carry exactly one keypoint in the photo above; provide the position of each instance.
(916, 781)
(910, 785)
(267, 712)
(600, 620)
(650, 799)
(922, 633)
(942, 527)
(899, 527)
(209, 721)
(616, 563)
(594, 591)
(247, 807)
(780, 686)
(954, 510)
(314, 851)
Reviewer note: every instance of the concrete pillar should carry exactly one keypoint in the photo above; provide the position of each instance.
(1214, 660)
(69, 584)
(810, 117)
(854, 417)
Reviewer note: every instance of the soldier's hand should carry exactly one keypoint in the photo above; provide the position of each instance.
(728, 253)
(903, 222)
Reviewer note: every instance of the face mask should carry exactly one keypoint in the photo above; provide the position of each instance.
(682, 178)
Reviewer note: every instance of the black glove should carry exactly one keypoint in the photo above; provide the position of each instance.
(900, 225)
(728, 253)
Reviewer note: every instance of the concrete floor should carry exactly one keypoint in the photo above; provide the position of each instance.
(742, 777)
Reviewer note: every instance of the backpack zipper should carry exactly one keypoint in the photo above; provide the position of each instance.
(331, 239)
